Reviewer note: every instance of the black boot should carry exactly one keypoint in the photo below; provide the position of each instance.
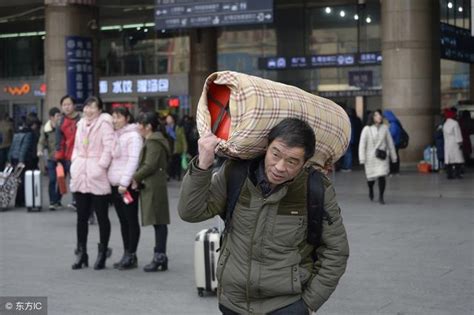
(130, 261)
(118, 263)
(450, 171)
(159, 262)
(371, 189)
(82, 259)
(102, 255)
(381, 201)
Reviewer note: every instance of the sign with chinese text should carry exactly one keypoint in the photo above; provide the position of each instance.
(138, 86)
(176, 14)
(319, 61)
(361, 79)
(79, 67)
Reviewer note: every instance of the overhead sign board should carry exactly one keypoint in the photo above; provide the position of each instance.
(456, 43)
(79, 67)
(139, 86)
(176, 14)
(317, 61)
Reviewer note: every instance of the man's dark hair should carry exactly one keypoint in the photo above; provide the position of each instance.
(53, 111)
(67, 96)
(295, 133)
(370, 117)
(94, 99)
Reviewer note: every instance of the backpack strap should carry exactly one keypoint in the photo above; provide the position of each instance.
(315, 200)
(237, 172)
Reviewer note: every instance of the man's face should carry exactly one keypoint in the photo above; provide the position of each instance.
(169, 120)
(67, 106)
(283, 163)
(55, 119)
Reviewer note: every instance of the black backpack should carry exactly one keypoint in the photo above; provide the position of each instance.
(404, 138)
(237, 173)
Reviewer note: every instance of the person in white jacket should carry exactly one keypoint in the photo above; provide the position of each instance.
(453, 157)
(125, 154)
(376, 137)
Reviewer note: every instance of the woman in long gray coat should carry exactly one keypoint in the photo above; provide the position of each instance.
(453, 157)
(376, 136)
(150, 178)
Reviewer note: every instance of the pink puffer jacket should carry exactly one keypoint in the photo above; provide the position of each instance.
(127, 146)
(92, 156)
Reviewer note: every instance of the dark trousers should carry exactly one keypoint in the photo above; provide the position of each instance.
(453, 170)
(3, 158)
(174, 167)
(161, 237)
(381, 182)
(53, 190)
(297, 308)
(347, 159)
(86, 203)
(128, 217)
(395, 166)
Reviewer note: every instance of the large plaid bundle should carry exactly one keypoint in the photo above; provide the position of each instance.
(256, 105)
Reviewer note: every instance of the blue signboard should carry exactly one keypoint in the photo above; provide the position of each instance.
(79, 67)
(176, 14)
(456, 44)
(319, 61)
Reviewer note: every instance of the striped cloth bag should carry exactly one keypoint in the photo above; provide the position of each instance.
(256, 105)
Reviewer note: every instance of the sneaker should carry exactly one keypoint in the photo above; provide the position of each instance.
(346, 170)
(72, 206)
(52, 207)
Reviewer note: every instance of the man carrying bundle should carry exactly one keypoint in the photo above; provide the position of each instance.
(284, 247)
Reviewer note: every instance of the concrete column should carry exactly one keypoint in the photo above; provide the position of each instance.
(203, 53)
(411, 68)
(66, 18)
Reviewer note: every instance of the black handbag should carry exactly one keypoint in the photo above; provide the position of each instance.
(380, 154)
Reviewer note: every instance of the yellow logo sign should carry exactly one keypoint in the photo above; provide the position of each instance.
(17, 90)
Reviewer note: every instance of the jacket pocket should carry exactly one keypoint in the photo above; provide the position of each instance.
(282, 281)
(289, 230)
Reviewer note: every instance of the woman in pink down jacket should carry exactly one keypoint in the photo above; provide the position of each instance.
(127, 146)
(91, 158)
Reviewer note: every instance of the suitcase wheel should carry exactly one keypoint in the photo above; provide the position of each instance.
(200, 292)
(28, 209)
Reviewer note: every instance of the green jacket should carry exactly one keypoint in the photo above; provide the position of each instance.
(180, 145)
(265, 261)
(47, 140)
(152, 179)
(6, 131)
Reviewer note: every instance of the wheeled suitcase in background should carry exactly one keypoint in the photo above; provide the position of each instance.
(206, 256)
(33, 190)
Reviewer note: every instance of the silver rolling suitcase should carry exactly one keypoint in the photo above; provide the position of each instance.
(33, 190)
(206, 255)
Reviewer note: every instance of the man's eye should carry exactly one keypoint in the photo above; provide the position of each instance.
(292, 163)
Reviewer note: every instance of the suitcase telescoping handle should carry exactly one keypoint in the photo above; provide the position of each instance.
(18, 169)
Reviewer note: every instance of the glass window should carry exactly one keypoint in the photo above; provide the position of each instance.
(21, 56)
(140, 51)
(239, 48)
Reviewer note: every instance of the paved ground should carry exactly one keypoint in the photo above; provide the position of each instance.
(414, 255)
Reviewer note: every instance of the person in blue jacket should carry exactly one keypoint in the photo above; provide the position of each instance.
(396, 132)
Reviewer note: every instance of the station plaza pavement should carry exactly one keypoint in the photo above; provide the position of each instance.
(414, 255)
